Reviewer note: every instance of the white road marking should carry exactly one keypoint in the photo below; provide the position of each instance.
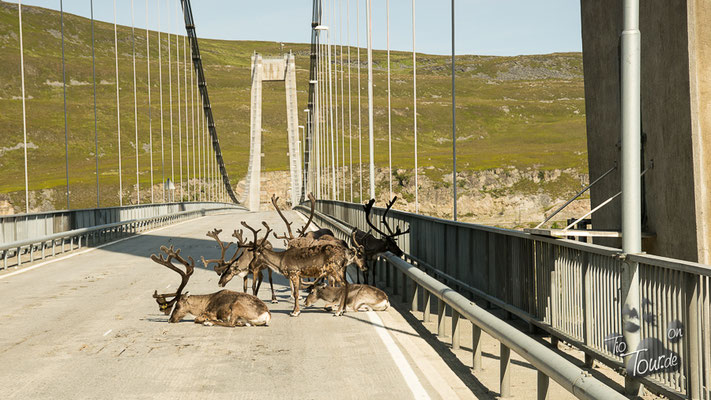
(107, 332)
(91, 249)
(418, 391)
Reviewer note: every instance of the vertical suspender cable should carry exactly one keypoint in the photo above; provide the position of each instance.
(414, 100)
(170, 90)
(350, 109)
(335, 84)
(330, 107)
(390, 131)
(199, 143)
(454, 126)
(150, 115)
(160, 86)
(343, 119)
(360, 142)
(118, 111)
(64, 91)
(369, 11)
(135, 102)
(96, 128)
(180, 125)
(24, 112)
(187, 124)
(192, 123)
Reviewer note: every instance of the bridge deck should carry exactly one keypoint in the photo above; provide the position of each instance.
(87, 327)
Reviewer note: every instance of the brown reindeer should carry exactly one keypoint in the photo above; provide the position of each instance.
(305, 238)
(376, 246)
(360, 297)
(240, 265)
(317, 261)
(224, 308)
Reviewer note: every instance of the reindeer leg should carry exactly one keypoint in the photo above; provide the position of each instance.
(244, 286)
(344, 298)
(295, 289)
(271, 285)
(259, 282)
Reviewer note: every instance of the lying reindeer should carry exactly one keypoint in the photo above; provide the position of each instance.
(306, 262)
(360, 297)
(240, 265)
(224, 308)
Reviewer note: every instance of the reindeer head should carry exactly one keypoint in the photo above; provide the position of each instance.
(256, 246)
(167, 305)
(182, 308)
(356, 255)
(388, 240)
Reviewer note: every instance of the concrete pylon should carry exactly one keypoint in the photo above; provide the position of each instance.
(273, 69)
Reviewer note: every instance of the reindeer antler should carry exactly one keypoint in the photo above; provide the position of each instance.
(368, 208)
(288, 224)
(163, 304)
(302, 231)
(397, 232)
(221, 266)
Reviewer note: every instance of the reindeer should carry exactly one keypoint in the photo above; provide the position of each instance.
(317, 261)
(360, 297)
(223, 308)
(374, 246)
(305, 238)
(240, 265)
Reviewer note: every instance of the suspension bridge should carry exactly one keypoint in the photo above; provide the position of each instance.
(617, 311)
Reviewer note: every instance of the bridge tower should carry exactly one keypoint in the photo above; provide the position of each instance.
(272, 69)
(676, 121)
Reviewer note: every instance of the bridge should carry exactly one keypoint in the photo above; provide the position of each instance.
(476, 311)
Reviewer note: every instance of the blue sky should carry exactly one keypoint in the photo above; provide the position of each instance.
(491, 27)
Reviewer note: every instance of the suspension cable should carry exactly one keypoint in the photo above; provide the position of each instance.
(414, 100)
(369, 12)
(96, 128)
(118, 111)
(150, 116)
(350, 109)
(192, 126)
(135, 103)
(454, 126)
(24, 110)
(360, 141)
(330, 101)
(64, 92)
(160, 85)
(170, 90)
(187, 124)
(343, 120)
(390, 130)
(335, 84)
(180, 118)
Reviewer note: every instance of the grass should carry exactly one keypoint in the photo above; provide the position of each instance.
(511, 111)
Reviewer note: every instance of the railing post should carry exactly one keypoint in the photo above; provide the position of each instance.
(19, 256)
(441, 314)
(405, 292)
(505, 371)
(414, 305)
(427, 302)
(543, 383)
(455, 330)
(476, 347)
(694, 348)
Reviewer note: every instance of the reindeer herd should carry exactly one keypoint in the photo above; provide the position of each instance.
(316, 255)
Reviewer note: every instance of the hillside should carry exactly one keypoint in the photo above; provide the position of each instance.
(522, 113)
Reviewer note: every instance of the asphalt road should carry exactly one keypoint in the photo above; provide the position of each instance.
(87, 327)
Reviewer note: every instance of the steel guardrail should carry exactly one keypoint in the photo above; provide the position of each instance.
(569, 289)
(100, 233)
(547, 362)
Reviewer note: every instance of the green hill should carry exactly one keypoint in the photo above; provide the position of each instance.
(511, 111)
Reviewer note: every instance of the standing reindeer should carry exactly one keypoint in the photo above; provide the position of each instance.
(317, 261)
(305, 238)
(240, 265)
(224, 308)
(375, 246)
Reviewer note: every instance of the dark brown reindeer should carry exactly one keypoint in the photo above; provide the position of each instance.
(240, 265)
(224, 308)
(376, 246)
(317, 261)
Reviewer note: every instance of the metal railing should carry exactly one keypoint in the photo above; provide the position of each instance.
(14, 254)
(569, 289)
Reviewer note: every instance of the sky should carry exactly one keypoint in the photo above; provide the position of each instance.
(485, 27)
